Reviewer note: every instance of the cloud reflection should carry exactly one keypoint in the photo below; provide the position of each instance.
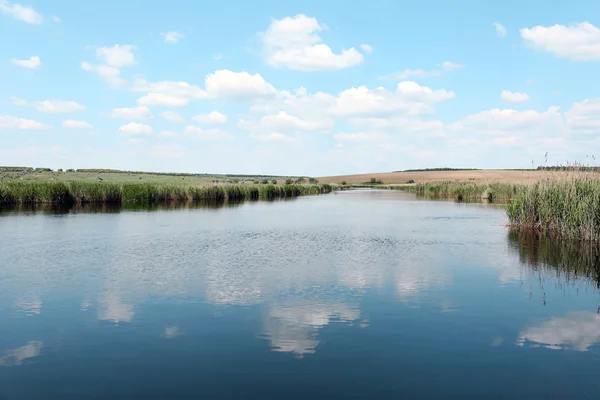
(579, 330)
(294, 328)
(111, 308)
(16, 356)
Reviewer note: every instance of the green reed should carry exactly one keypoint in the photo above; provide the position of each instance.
(569, 207)
(66, 193)
(468, 191)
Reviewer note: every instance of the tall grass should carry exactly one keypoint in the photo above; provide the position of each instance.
(66, 193)
(468, 191)
(568, 207)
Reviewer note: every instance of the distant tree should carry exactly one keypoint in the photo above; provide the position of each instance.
(289, 181)
(313, 181)
(60, 170)
(410, 181)
(344, 183)
(265, 181)
(274, 181)
(300, 180)
(373, 181)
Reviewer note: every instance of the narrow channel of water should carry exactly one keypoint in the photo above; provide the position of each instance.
(349, 295)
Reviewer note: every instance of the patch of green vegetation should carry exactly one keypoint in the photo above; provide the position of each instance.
(467, 191)
(569, 207)
(66, 193)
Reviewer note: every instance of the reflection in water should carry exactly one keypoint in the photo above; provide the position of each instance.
(172, 332)
(16, 356)
(111, 308)
(571, 260)
(579, 329)
(294, 327)
(29, 307)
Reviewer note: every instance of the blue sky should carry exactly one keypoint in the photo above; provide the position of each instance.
(312, 88)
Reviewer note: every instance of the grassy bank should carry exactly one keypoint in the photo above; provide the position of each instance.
(65, 193)
(569, 208)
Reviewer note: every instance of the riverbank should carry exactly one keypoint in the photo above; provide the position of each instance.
(66, 193)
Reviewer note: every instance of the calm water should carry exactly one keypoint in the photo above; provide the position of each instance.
(361, 294)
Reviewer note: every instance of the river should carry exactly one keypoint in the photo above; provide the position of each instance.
(359, 294)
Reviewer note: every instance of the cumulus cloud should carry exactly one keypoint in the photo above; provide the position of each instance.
(500, 29)
(584, 117)
(134, 113)
(361, 136)
(52, 106)
(110, 75)
(117, 56)
(31, 63)
(409, 98)
(422, 73)
(206, 134)
(239, 86)
(172, 37)
(173, 116)
(21, 13)
(271, 137)
(135, 128)
(73, 124)
(283, 121)
(293, 42)
(10, 122)
(168, 93)
(214, 117)
(499, 121)
(513, 97)
(579, 42)
(366, 48)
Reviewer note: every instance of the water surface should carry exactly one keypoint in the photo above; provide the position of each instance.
(354, 295)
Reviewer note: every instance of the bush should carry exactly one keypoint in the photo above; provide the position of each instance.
(344, 183)
(313, 181)
(410, 181)
(289, 181)
(274, 181)
(265, 181)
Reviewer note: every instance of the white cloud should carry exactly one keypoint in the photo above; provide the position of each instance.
(134, 113)
(499, 121)
(117, 56)
(514, 97)
(31, 62)
(22, 13)
(10, 122)
(135, 128)
(271, 137)
(580, 42)
(292, 42)
(172, 37)
(500, 29)
(214, 117)
(58, 106)
(111, 75)
(361, 137)
(410, 98)
(172, 116)
(206, 134)
(584, 117)
(161, 99)
(240, 86)
(167, 134)
(73, 124)
(283, 121)
(451, 66)
(410, 73)
(579, 330)
(366, 48)
(168, 93)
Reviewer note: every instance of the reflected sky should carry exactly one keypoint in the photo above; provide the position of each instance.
(333, 281)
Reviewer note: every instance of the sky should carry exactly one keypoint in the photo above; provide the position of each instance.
(299, 88)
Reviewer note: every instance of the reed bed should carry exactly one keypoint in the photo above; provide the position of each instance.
(568, 207)
(68, 193)
(468, 191)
